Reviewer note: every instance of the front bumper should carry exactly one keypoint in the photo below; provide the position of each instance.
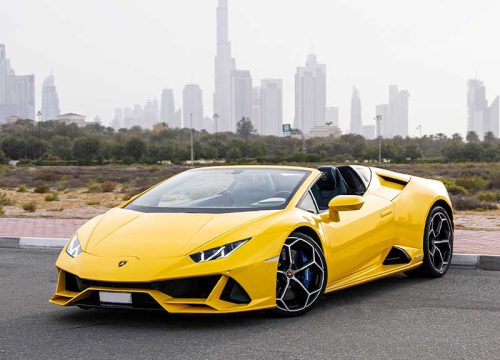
(207, 294)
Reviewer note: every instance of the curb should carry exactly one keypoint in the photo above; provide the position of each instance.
(458, 261)
(32, 242)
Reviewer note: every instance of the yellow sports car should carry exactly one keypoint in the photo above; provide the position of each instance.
(240, 238)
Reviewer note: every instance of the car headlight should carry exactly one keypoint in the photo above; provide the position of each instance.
(218, 252)
(74, 248)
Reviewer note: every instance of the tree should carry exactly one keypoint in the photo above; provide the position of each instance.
(3, 158)
(135, 148)
(61, 147)
(14, 147)
(86, 148)
(472, 137)
(244, 128)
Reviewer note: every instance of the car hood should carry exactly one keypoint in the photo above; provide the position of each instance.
(123, 232)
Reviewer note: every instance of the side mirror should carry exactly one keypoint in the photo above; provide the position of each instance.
(344, 203)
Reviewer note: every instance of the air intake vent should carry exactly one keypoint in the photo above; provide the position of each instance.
(397, 256)
(233, 292)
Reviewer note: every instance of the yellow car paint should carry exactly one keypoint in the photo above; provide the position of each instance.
(156, 246)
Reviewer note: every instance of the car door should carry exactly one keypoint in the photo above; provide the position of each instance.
(358, 239)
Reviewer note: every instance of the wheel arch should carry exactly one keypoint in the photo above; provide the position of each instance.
(446, 206)
(309, 231)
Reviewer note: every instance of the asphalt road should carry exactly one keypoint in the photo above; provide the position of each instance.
(455, 317)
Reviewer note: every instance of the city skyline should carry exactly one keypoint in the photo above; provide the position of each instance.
(187, 44)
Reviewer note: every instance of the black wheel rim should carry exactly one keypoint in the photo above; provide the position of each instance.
(439, 241)
(300, 276)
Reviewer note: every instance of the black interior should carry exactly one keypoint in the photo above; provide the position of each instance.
(342, 180)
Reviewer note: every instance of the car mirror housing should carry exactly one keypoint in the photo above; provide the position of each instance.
(344, 203)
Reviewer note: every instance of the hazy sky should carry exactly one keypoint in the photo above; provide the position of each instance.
(115, 53)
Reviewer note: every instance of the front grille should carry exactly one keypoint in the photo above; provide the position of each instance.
(195, 287)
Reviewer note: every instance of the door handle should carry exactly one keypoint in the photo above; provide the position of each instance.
(385, 213)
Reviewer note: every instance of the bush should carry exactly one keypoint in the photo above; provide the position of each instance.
(93, 202)
(22, 188)
(2, 211)
(53, 196)
(470, 203)
(472, 183)
(42, 189)
(94, 187)
(30, 206)
(5, 200)
(491, 196)
(108, 186)
(453, 188)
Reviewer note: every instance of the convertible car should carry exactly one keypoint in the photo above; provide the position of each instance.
(240, 238)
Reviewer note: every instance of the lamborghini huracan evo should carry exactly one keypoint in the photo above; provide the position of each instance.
(240, 238)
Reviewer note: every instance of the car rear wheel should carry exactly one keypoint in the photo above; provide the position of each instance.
(301, 277)
(438, 245)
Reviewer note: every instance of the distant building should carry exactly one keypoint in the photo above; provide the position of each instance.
(241, 96)
(332, 115)
(481, 118)
(117, 122)
(368, 132)
(310, 95)
(224, 65)
(272, 107)
(398, 107)
(394, 116)
(356, 119)
(256, 109)
(151, 115)
(324, 131)
(192, 105)
(72, 118)
(17, 92)
(167, 108)
(50, 99)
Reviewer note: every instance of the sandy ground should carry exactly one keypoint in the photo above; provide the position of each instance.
(81, 204)
(72, 204)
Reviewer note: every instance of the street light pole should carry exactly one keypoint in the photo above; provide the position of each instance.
(192, 144)
(216, 117)
(419, 127)
(377, 120)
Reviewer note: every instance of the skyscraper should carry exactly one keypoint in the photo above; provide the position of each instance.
(224, 65)
(332, 115)
(356, 119)
(17, 92)
(192, 104)
(398, 107)
(310, 95)
(481, 118)
(117, 122)
(272, 107)
(256, 109)
(394, 116)
(241, 96)
(151, 114)
(167, 108)
(50, 100)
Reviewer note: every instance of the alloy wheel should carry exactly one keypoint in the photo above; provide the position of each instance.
(439, 241)
(301, 275)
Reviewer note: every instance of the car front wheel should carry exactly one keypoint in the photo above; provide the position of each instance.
(301, 277)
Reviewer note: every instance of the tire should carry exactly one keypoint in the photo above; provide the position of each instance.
(438, 245)
(301, 275)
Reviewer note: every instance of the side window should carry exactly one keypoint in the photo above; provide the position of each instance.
(307, 203)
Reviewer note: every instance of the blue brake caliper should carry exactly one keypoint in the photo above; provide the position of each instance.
(307, 272)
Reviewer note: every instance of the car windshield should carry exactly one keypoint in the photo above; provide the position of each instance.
(222, 190)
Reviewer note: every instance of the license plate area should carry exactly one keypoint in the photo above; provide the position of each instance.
(114, 297)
